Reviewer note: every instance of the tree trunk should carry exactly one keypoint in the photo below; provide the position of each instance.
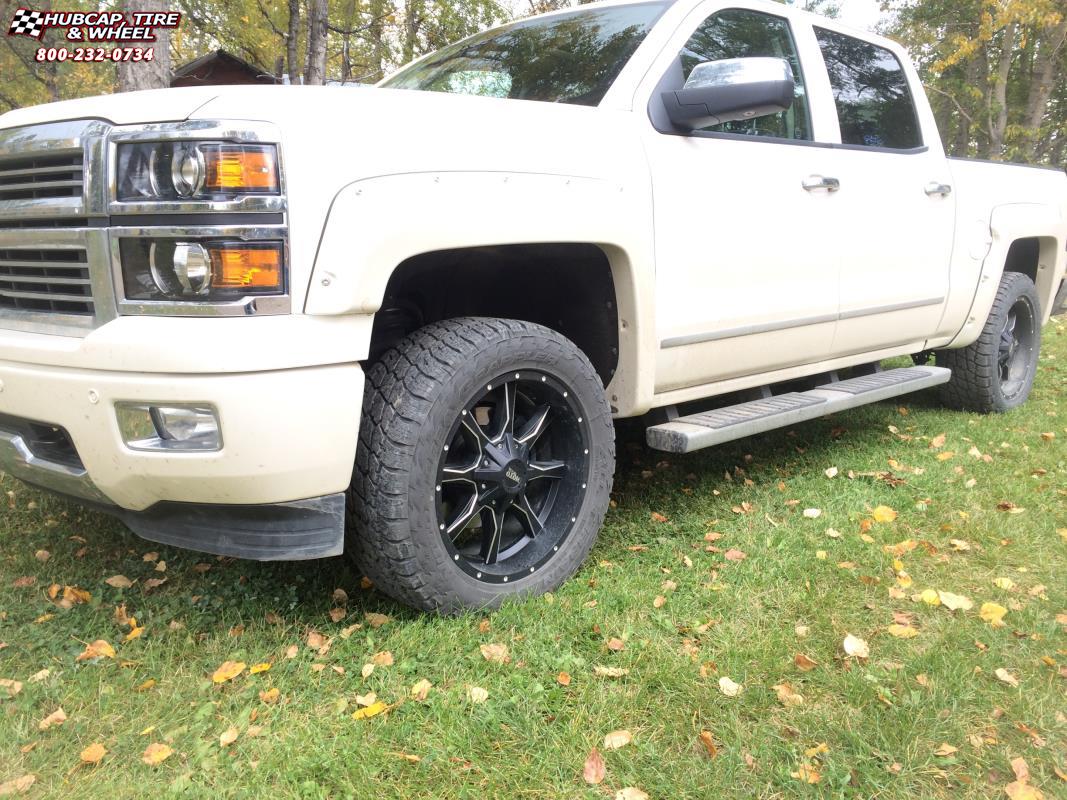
(412, 23)
(998, 107)
(1044, 78)
(377, 32)
(316, 64)
(154, 74)
(292, 42)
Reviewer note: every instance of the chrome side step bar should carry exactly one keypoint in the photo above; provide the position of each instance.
(696, 431)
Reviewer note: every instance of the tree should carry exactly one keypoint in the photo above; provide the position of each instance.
(154, 74)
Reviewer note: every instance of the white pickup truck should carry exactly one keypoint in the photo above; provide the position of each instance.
(727, 213)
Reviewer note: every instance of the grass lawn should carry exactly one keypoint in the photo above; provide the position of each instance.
(709, 567)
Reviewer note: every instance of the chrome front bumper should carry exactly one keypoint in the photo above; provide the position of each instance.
(17, 460)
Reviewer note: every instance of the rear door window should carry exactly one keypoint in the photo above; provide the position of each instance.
(874, 103)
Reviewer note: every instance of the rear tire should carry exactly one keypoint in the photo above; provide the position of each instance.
(996, 372)
(484, 465)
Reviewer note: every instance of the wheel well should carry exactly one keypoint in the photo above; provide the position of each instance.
(1023, 256)
(566, 287)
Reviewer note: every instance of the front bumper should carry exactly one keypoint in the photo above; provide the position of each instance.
(288, 435)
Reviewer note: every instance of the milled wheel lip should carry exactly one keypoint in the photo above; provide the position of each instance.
(491, 574)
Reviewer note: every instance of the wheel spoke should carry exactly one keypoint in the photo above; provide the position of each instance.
(460, 474)
(470, 424)
(507, 410)
(1009, 326)
(535, 426)
(463, 517)
(492, 525)
(546, 469)
(528, 516)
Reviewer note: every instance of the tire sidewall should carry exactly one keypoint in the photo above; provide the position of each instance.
(549, 355)
(1021, 288)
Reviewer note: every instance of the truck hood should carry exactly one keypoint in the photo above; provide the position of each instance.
(157, 105)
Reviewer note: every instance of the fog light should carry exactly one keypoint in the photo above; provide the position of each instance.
(189, 428)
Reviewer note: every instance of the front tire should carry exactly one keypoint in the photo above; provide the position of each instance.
(484, 465)
(996, 372)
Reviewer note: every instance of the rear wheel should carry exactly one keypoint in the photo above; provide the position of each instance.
(996, 371)
(484, 466)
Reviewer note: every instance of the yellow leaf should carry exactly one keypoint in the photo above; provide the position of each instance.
(807, 773)
(617, 739)
(1020, 790)
(1005, 676)
(883, 514)
(144, 687)
(787, 696)
(228, 671)
(135, 633)
(270, 696)
(367, 671)
(901, 548)
(563, 679)
(382, 659)
(1007, 584)
(902, 631)
(156, 753)
(421, 689)
(57, 717)
(993, 614)
(945, 749)
(93, 753)
(930, 597)
(97, 649)
(820, 749)
(255, 669)
(228, 737)
(477, 694)
(610, 672)
(945, 456)
(372, 710)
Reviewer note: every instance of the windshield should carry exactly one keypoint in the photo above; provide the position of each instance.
(566, 58)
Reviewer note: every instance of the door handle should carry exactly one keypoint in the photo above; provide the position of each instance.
(942, 189)
(815, 182)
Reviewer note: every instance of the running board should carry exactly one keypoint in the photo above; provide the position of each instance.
(696, 431)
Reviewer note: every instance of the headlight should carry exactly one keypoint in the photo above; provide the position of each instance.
(201, 271)
(189, 170)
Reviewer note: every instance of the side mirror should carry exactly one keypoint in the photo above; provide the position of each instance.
(731, 89)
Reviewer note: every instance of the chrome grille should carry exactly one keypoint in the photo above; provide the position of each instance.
(50, 281)
(41, 176)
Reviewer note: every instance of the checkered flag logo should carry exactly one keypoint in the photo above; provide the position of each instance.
(27, 23)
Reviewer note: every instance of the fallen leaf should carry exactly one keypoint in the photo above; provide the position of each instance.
(24, 582)
(9, 687)
(93, 754)
(812, 513)
(945, 749)
(955, 602)
(808, 773)
(1005, 676)
(228, 737)
(367, 671)
(728, 687)
(144, 687)
(98, 649)
(801, 630)
(883, 514)
(19, 785)
(377, 620)
(902, 631)
(255, 669)
(631, 793)
(270, 696)
(421, 689)
(830, 473)
(659, 602)
(657, 517)
(707, 740)
(228, 671)
(372, 710)
(57, 717)
(617, 739)
(382, 659)
(1007, 584)
(368, 699)
(854, 646)
(993, 613)
(593, 771)
(40, 675)
(291, 651)
(156, 753)
(498, 653)
(337, 614)
(119, 582)
(610, 672)
(614, 643)
(477, 694)
(804, 663)
(734, 555)
(930, 596)
(787, 696)
(938, 441)
(563, 679)
(42, 555)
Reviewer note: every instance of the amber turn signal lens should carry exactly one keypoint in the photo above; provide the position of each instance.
(236, 267)
(241, 168)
